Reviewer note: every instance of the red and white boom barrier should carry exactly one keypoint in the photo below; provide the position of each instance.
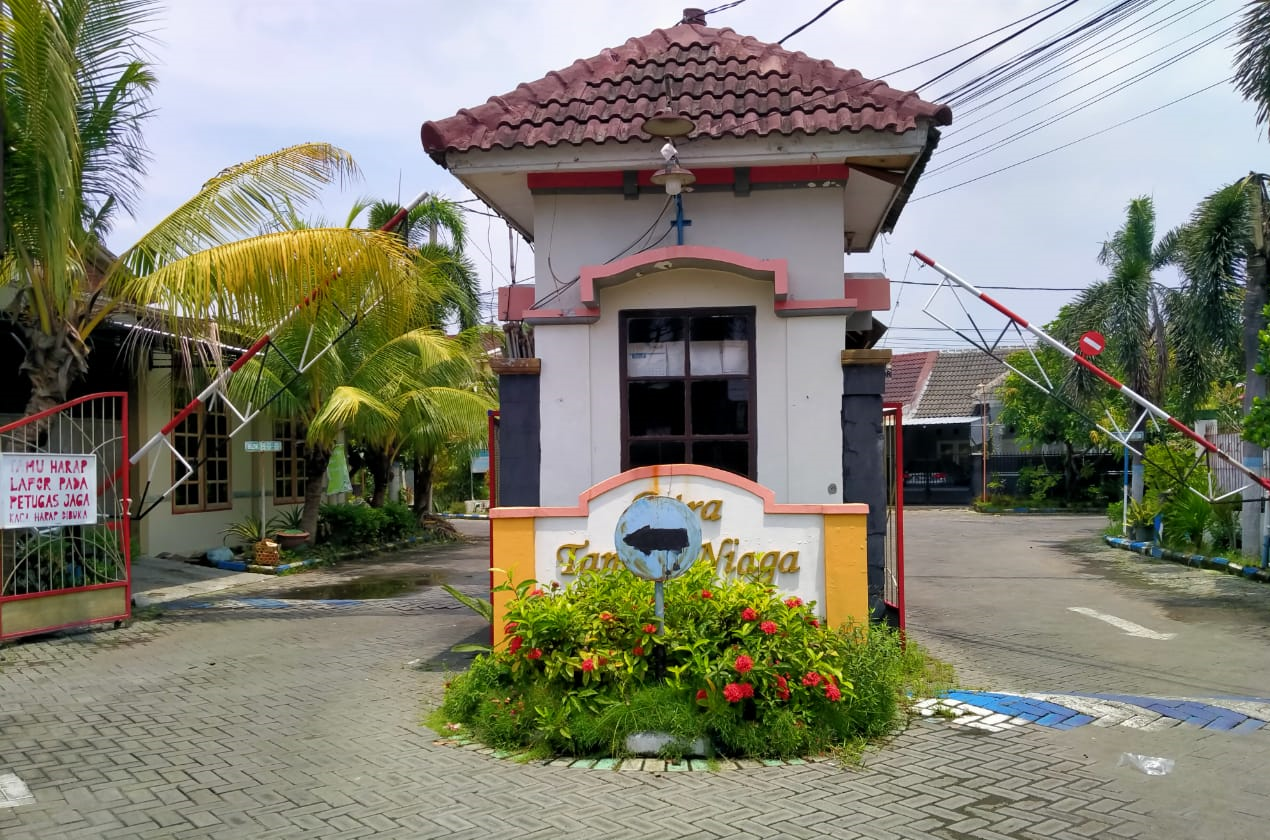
(1150, 408)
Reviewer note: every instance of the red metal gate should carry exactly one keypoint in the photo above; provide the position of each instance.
(65, 556)
(893, 467)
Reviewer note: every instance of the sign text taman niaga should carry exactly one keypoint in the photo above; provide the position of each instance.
(45, 491)
(727, 557)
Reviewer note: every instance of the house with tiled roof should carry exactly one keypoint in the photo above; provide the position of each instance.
(691, 194)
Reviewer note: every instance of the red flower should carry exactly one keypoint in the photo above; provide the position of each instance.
(705, 593)
(701, 694)
(747, 690)
(588, 665)
(794, 602)
(607, 616)
(603, 662)
(811, 680)
(649, 628)
(815, 622)
(639, 650)
(511, 627)
(555, 584)
(783, 694)
(514, 644)
(832, 694)
(768, 627)
(782, 683)
(733, 693)
(535, 653)
(536, 591)
(744, 664)
(748, 614)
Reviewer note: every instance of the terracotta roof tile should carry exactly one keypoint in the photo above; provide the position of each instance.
(907, 377)
(728, 83)
(951, 389)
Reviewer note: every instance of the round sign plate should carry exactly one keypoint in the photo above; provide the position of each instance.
(658, 538)
(1092, 343)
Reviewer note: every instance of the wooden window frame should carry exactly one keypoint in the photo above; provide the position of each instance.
(750, 313)
(199, 432)
(294, 447)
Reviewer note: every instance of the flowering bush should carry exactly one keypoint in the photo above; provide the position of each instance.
(752, 673)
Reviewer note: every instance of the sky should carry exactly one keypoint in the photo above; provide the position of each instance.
(239, 78)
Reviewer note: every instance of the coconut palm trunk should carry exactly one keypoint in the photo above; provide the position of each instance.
(423, 466)
(316, 460)
(379, 462)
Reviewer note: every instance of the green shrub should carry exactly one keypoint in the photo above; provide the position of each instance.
(753, 672)
(352, 523)
(1036, 483)
(399, 521)
(1187, 519)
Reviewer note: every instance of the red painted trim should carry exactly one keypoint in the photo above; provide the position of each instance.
(1003, 310)
(770, 504)
(615, 180)
(871, 293)
(1098, 372)
(719, 258)
(55, 409)
(924, 258)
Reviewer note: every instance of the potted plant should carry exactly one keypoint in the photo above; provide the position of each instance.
(287, 526)
(249, 530)
(1141, 519)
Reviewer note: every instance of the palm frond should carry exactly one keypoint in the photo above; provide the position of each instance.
(42, 155)
(1252, 61)
(238, 202)
(253, 283)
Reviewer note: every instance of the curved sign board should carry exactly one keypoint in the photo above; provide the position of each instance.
(658, 521)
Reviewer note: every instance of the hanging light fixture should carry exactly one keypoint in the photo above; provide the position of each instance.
(668, 124)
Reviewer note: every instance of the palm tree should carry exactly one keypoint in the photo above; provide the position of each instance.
(460, 293)
(74, 90)
(439, 401)
(1252, 62)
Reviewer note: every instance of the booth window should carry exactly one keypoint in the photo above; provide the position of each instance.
(288, 465)
(688, 391)
(202, 439)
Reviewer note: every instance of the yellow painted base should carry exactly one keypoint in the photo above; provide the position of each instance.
(513, 560)
(846, 569)
(67, 609)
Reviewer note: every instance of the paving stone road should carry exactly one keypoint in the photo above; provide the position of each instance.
(243, 719)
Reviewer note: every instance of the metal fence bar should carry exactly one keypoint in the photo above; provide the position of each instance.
(893, 467)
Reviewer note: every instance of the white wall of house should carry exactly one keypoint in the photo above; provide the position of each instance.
(191, 533)
(798, 384)
(801, 225)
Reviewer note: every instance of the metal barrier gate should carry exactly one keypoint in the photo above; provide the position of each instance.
(65, 544)
(893, 467)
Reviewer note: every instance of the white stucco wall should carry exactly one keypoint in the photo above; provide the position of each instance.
(803, 226)
(798, 383)
(162, 530)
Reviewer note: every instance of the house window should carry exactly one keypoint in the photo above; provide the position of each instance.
(688, 388)
(288, 465)
(202, 439)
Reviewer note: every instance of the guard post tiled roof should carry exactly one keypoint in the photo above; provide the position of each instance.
(729, 84)
(952, 388)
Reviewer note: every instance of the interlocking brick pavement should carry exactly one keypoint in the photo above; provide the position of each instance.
(305, 722)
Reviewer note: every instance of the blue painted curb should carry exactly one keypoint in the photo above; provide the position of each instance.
(1217, 564)
(1054, 715)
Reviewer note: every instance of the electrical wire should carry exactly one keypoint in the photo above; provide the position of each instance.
(562, 288)
(823, 12)
(1090, 101)
(1073, 142)
(865, 82)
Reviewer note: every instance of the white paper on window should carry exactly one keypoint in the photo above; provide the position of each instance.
(655, 359)
(714, 358)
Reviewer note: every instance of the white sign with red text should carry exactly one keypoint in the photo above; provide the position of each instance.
(45, 491)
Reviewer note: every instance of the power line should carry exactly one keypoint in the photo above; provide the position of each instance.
(1095, 99)
(823, 12)
(1073, 142)
(864, 82)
